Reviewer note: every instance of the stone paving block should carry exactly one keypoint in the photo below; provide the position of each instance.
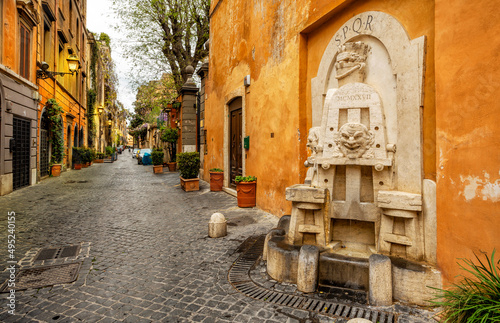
(147, 246)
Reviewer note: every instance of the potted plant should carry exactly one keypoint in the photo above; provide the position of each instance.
(246, 188)
(99, 158)
(77, 158)
(54, 111)
(157, 158)
(216, 179)
(189, 166)
(109, 153)
(170, 136)
(85, 157)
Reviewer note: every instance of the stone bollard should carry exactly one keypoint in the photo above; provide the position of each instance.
(270, 234)
(380, 272)
(307, 271)
(217, 227)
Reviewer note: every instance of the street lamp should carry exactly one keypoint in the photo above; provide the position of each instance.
(73, 66)
(109, 122)
(100, 109)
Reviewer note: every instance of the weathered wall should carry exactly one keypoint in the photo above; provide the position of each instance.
(467, 84)
(280, 44)
(262, 41)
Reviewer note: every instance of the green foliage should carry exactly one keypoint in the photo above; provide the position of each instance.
(100, 155)
(109, 151)
(189, 164)
(477, 297)
(169, 135)
(103, 37)
(157, 156)
(54, 111)
(153, 97)
(77, 156)
(239, 179)
(164, 35)
(218, 170)
(136, 121)
(91, 126)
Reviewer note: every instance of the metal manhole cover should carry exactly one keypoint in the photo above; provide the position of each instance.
(45, 276)
(55, 253)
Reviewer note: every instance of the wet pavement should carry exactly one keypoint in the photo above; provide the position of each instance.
(144, 250)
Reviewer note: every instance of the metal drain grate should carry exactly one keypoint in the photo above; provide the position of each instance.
(55, 253)
(45, 276)
(239, 277)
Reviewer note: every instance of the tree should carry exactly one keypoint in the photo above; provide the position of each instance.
(164, 32)
(152, 98)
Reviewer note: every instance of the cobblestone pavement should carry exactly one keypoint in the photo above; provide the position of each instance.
(144, 245)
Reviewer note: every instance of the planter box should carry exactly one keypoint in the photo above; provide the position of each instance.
(99, 161)
(55, 170)
(157, 169)
(246, 194)
(172, 166)
(189, 185)
(216, 181)
(77, 166)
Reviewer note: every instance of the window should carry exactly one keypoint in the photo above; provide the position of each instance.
(24, 52)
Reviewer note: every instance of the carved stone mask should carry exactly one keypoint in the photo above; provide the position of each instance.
(313, 138)
(354, 139)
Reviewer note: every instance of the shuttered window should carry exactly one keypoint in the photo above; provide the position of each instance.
(24, 57)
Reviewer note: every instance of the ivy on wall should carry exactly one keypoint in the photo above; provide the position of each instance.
(54, 111)
(92, 95)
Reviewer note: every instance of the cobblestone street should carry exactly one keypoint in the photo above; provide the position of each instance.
(147, 254)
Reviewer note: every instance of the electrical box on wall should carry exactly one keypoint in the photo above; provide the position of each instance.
(246, 80)
(246, 142)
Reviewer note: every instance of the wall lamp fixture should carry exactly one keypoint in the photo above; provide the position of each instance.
(73, 66)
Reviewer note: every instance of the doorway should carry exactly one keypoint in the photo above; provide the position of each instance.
(235, 140)
(21, 153)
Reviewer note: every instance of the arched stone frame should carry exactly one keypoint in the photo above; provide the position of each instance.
(405, 54)
(239, 92)
(407, 65)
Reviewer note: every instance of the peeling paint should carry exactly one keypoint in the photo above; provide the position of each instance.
(475, 187)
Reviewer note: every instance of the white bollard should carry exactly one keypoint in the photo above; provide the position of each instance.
(380, 272)
(217, 227)
(308, 267)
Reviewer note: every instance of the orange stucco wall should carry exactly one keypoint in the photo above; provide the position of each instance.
(468, 137)
(280, 44)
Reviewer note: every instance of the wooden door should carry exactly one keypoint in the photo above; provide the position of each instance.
(236, 141)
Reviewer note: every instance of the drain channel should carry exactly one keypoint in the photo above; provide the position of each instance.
(239, 278)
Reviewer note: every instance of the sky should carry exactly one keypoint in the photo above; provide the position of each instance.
(100, 19)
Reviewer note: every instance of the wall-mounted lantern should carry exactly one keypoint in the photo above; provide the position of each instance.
(73, 66)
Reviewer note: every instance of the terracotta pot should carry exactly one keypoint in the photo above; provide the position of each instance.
(172, 166)
(246, 194)
(216, 181)
(85, 165)
(99, 161)
(157, 169)
(55, 170)
(77, 166)
(191, 184)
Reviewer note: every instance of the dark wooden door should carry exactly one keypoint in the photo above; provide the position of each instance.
(21, 154)
(236, 144)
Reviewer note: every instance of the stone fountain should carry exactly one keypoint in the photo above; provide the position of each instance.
(365, 216)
